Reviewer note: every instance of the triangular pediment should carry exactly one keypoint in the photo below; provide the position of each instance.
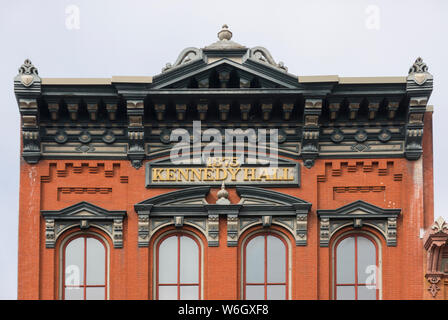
(83, 210)
(224, 73)
(253, 196)
(359, 208)
(189, 196)
(84, 213)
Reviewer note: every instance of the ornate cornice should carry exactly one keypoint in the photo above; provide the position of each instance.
(224, 86)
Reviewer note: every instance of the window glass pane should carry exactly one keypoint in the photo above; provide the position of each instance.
(74, 293)
(345, 293)
(167, 292)
(189, 261)
(345, 257)
(96, 293)
(366, 261)
(276, 260)
(168, 260)
(255, 260)
(189, 292)
(254, 292)
(96, 262)
(366, 293)
(276, 292)
(74, 262)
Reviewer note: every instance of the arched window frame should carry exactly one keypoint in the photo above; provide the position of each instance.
(189, 206)
(265, 232)
(158, 241)
(378, 250)
(84, 215)
(358, 214)
(65, 240)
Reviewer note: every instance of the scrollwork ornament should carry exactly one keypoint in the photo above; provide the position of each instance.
(433, 280)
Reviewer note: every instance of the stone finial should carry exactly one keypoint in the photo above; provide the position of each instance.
(225, 33)
(418, 67)
(223, 195)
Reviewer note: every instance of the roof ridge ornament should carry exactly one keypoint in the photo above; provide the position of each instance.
(419, 72)
(418, 67)
(261, 54)
(187, 55)
(28, 73)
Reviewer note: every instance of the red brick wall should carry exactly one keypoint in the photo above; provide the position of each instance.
(115, 185)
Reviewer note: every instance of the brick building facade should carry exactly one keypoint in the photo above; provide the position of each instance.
(105, 212)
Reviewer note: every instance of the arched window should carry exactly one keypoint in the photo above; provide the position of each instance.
(84, 268)
(265, 268)
(356, 268)
(178, 268)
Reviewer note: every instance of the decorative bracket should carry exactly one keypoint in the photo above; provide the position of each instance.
(30, 130)
(414, 127)
(310, 133)
(224, 108)
(136, 133)
(229, 210)
(287, 108)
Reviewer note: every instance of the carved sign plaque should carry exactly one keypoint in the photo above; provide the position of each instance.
(217, 171)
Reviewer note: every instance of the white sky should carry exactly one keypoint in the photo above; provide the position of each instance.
(140, 37)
